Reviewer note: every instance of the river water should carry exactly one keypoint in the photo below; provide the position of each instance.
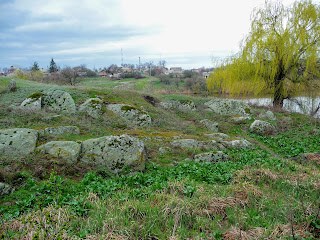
(304, 105)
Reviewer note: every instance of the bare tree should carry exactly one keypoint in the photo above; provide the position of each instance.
(70, 75)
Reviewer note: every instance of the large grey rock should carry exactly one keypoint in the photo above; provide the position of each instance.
(17, 142)
(192, 143)
(12, 86)
(218, 136)
(59, 101)
(268, 115)
(62, 130)
(131, 114)
(33, 102)
(213, 126)
(92, 106)
(240, 119)
(228, 107)
(67, 150)
(185, 143)
(213, 157)
(5, 189)
(114, 153)
(262, 127)
(51, 118)
(237, 144)
(184, 106)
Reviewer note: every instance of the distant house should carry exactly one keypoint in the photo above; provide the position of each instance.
(126, 70)
(205, 74)
(103, 73)
(176, 70)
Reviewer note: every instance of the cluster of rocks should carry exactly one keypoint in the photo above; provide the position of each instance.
(131, 114)
(61, 101)
(110, 152)
(184, 106)
(228, 107)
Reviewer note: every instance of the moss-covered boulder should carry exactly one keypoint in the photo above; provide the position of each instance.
(228, 107)
(67, 150)
(17, 142)
(212, 157)
(114, 153)
(58, 101)
(32, 102)
(213, 126)
(262, 127)
(92, 107)
(185, 106)
(131, 114)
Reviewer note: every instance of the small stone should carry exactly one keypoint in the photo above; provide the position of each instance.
(213, 126)
(213, 157)
(5, 189)
(12, 86)
(262, 127)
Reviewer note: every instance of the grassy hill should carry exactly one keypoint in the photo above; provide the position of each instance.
(265, 192)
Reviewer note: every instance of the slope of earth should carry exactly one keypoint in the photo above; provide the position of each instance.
(269, 190)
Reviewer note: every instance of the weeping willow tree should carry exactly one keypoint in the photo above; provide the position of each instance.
(280, 55)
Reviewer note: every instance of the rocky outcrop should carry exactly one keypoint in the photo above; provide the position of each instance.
(213, 126)
(192, 143)
(237, 144)
(32, 102)
(51, 118)
(5, 189)
(58, 101)
(268, 115)
(213, 157)
(12, 86)
(61, 130)
(131, 114)
(184, 106)
(262, 127)
(67, 150)
(240, 119)
(17, 142)
(92, 107)
(218, 136)
(114, 153)
(228, 107)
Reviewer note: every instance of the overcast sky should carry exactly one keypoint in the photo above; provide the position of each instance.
(185, 33)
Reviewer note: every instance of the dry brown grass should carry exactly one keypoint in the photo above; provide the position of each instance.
(48, 223)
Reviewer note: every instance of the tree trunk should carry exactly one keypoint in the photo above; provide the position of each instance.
(278, 94)
(278, 88)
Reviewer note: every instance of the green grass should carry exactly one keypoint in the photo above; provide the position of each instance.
(255, 192)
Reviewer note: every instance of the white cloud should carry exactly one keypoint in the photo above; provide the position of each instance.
(173, 28)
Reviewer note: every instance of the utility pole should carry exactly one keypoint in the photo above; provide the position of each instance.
(139, 66)
(150, 68)
(121, 57)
